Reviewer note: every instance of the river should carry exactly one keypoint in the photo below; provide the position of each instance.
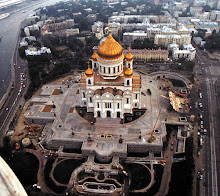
(9, 29)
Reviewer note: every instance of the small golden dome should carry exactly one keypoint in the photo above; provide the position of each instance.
(94, 56)
(128, 73)
(129, 57)
(89, 72)
(110, 49)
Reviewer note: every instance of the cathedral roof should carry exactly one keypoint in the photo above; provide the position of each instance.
(110, 49)
(99, 81)
(89, 72)
(109, 90)
(129, 56)
(94, 56)
(128, 73)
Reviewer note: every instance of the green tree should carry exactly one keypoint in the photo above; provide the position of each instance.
(21, 51)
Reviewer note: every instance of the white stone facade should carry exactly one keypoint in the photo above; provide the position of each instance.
(189, 52)
(166, 40)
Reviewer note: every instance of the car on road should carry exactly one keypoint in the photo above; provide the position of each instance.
(200, 104)
(6, 109)
(200, 116)
(201, 126)
(201, 122)
(204, 132)
(200, 95)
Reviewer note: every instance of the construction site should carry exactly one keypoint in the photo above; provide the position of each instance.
(51, 126)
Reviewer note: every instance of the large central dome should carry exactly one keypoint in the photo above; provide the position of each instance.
(110, 49)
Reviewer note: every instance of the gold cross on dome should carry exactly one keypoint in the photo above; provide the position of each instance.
(88, 64)
(109, 28)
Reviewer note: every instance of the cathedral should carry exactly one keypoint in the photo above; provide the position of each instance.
(110, 88)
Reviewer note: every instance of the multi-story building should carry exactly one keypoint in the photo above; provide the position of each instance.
(115, 28)
(97, 28)
(138, 18)
(27, 31)
(149, 55)
(32, 51)
(72, 32)
(195, 10)
(188, 52)
(215, 15)
(131, 36)
(166, 40)
(207, 24)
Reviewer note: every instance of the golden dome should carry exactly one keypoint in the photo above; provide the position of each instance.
(110, 48)
(89, 72)
(128, 73)
(94, 56)
(129, 57)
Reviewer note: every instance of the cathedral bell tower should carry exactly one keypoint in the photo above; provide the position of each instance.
(94, 60)
(89, 76)
(129, 60)
(128, 77)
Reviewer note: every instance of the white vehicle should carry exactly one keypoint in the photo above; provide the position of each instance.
(200, 95)
(200, 105)
(200, 116)
(201, 122)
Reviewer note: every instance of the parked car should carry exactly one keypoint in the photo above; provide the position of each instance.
(200, 104)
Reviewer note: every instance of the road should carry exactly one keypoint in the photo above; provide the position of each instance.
(209, 75)
(9, 55)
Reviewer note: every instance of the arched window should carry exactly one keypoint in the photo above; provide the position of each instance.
(114, 69)
(89, 81)
(128, 65)
(109, 71)
(128, 82)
